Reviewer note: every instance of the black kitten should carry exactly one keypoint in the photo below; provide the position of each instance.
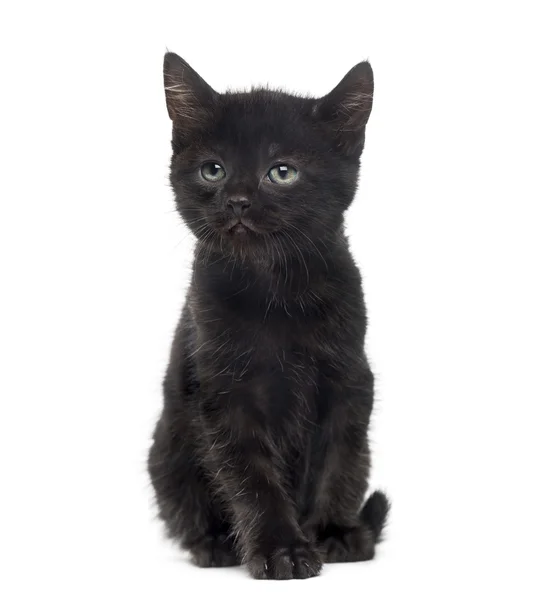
(261, 454)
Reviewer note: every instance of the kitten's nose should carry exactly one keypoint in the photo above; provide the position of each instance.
(238, 205)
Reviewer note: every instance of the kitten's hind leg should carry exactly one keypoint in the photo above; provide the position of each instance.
(356, 543)
(341, 463)
(185, 503)
(339, 544)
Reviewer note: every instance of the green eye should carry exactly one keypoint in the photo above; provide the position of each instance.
(282, 174)
(212, 171)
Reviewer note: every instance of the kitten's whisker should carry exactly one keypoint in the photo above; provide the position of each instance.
(311, 242)
(299, 252)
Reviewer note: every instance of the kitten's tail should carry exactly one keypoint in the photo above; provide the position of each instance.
(374, 513)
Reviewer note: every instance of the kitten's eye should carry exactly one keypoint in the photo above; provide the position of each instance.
(282, 174)
(212, 171)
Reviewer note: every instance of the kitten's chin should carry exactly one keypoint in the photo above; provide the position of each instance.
(246, 243)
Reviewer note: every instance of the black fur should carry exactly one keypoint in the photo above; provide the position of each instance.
(261, 454)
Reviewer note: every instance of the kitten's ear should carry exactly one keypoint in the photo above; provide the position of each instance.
(190, 100)
(347, 107)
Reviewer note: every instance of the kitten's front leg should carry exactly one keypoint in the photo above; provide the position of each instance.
(185, 503)
(248, 472)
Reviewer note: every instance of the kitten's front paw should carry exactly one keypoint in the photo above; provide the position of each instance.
(214, 552)
(298, 561)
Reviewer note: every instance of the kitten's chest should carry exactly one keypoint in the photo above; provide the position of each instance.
(277, 360)
(282, 343)
(267, 362)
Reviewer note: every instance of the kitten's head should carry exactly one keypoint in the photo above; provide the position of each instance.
(259, 170)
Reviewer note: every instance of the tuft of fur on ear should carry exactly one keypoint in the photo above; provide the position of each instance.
(346, 109)
(190, 100)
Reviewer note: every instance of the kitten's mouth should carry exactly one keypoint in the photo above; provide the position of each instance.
(241, 227)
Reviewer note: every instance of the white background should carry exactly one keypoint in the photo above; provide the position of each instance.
(94, 265)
